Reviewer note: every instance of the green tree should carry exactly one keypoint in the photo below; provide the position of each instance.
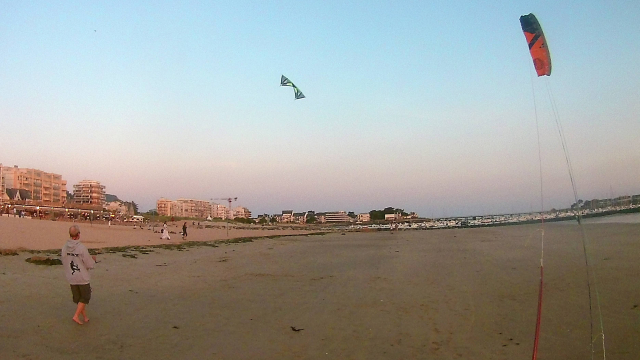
(152, 212)
(311, 219)
(379, 214)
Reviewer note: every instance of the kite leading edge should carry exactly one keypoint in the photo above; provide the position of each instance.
(284, 81)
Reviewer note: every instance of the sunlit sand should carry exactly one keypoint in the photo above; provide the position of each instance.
(441, 294)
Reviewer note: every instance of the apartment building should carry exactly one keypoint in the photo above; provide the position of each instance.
(192, 208)
(200, 209)
(163, 207)
(241, 212)
(220, 211)
(89, 192)
(287, 216)
(337, 216)
(39, 187)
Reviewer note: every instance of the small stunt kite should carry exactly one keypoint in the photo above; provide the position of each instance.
(286, 82)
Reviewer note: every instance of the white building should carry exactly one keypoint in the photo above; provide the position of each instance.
(337, 216)
(393, 217)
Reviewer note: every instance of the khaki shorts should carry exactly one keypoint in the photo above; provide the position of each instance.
(81, 293)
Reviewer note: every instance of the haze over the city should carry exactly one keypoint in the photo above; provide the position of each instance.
(428, 107)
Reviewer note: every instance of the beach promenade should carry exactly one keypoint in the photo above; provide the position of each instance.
(440, 294)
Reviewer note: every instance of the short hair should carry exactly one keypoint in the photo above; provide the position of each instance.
(74, 231)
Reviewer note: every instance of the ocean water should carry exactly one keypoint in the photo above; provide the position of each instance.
(615, 219)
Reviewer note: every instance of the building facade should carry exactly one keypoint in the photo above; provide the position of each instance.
(219, 211)
(89, 193)
(200, 209)
(241, 212)
(39, 187)
(163, 206)
(337, 216)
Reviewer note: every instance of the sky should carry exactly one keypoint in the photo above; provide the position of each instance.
(433, 107)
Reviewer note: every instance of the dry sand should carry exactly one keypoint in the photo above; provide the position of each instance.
(34, 234)
(444, 294)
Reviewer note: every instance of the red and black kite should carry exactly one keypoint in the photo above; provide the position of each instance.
(537, 44)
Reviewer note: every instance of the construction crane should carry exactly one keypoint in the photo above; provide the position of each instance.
(229, 199)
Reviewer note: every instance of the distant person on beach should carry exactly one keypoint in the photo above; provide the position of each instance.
(165, 232)
(184, 230)
(76, 262)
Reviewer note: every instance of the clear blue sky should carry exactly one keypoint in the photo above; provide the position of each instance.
(425, 106)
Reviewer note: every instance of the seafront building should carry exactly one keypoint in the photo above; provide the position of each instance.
(191, 208)
(31, 187)
(241, 212)
(201, 209)
(219, 211)
(337, 217)
(89, 193)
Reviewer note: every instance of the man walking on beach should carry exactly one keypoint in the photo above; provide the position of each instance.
(76, 262)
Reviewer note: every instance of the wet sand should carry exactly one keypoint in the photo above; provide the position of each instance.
(444, 294)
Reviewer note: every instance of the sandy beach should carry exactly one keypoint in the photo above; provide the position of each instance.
(34, 234)
(442, 294)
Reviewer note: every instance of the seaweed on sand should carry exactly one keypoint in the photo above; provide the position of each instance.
(41, 260)
(8, 252)
(184, 246)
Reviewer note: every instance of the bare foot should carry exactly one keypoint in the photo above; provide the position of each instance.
(77, 320)
(86, 319)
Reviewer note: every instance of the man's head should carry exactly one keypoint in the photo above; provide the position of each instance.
(74, 232)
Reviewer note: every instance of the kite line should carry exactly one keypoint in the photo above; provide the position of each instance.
(536, 338)
(542, 62)
(590, 270)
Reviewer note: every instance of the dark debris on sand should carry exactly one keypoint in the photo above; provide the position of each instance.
(41, 260)
(126, 250)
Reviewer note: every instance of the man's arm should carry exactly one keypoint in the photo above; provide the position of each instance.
(89, 261)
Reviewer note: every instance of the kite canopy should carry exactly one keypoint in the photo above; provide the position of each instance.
(537, 44)
(286, 82)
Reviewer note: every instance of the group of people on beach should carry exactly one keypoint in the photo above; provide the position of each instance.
(165, 232)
